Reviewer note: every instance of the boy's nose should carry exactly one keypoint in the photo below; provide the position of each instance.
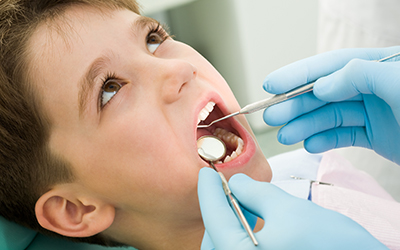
(175, 74)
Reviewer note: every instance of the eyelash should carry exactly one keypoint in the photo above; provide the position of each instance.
(158, 29)
(109, 76)
(154, 28)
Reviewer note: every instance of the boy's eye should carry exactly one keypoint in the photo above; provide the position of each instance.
(109, 89)
(156, 36)
(153, 41)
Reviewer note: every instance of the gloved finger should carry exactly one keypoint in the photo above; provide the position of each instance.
(381, 79)
(384, 130)
(337, 138)
(333, 115)
(359, 76)
(211, 196)
(312, 68)
(282, 113)
(219, 219)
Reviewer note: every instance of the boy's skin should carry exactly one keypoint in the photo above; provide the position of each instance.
(135, 160)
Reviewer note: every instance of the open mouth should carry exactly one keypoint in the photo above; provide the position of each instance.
(223, 130)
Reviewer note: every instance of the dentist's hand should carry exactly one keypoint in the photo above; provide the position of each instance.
(355, 102)
(290, 222)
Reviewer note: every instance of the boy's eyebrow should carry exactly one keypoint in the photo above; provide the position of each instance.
(87, 82)
(142, 22)
(96, 67)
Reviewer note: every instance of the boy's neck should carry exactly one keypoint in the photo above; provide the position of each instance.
(152, 234)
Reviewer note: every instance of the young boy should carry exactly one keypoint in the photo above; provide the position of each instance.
(99, 111)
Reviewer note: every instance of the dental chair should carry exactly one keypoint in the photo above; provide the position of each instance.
(16, 237)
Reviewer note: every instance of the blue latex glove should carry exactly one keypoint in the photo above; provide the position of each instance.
(356, 104)
(290, 222)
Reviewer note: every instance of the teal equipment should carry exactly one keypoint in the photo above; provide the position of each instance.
(16, 237)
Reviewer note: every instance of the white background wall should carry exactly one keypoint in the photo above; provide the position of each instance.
(273, 34)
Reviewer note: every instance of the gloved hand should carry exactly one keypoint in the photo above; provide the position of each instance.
(290, 222)
(355, 102)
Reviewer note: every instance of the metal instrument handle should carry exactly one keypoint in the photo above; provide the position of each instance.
(256, 106)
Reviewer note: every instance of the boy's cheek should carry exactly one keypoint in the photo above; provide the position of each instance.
(174, 49)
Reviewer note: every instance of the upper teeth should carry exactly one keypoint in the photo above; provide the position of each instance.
(205, 112)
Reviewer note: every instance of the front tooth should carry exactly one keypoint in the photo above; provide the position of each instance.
(227, 159)
(205, 112)
(234, 155)
(239, 150)
(203, 115)
(210, 106)
(240, 145)
(240, 141)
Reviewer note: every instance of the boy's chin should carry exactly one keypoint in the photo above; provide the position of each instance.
(262, 171)
(258, 169)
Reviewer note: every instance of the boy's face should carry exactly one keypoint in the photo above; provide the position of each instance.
(138, 151)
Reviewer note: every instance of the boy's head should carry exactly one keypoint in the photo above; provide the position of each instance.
(112, 107)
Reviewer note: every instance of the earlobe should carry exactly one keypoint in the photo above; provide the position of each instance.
(62, 211)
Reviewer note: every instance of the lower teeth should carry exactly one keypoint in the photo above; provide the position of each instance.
(233, 141)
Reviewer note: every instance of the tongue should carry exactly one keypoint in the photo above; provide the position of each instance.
(202, 132)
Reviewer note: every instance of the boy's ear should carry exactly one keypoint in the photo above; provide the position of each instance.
(73, 214)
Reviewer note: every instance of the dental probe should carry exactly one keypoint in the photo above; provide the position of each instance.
(256, 106)
(212, 149)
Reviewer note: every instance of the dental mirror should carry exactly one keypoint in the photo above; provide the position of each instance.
(211, 148)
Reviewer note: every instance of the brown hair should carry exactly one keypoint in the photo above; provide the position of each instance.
(28, 168)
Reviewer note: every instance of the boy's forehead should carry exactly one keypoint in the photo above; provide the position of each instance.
(67, 26)
(55, 38)
(58, 36)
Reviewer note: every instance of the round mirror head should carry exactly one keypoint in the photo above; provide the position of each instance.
(211, 148)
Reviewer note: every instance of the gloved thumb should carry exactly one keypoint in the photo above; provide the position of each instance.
(219, 219)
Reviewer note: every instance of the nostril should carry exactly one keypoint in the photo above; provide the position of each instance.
(180, 89)
(174, 76)
(193, 77)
